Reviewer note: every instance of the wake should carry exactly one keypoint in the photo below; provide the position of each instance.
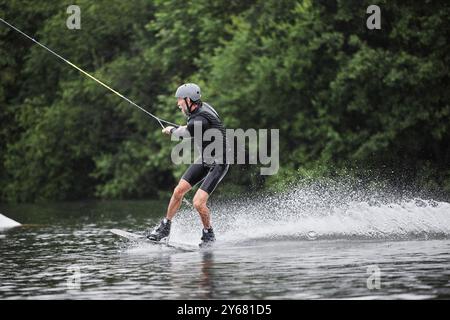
(320, 212)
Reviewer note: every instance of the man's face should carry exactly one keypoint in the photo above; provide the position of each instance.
(182, 105)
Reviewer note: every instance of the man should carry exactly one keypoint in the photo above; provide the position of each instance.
(210, 170)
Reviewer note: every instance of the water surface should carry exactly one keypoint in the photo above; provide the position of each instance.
(264, 251)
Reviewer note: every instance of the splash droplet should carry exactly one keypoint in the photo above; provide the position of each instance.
(312, 235)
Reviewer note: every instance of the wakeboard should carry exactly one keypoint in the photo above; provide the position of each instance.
(141, 238)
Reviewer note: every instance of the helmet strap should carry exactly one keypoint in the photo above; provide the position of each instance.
(188, 106)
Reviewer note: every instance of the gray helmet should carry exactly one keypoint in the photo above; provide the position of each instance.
(189, 90)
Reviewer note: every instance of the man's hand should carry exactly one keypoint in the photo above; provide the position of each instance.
(167, 130)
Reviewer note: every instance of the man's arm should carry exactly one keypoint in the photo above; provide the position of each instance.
(188, 130)
(180, 132)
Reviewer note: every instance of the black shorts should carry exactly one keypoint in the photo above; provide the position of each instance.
(211, 176)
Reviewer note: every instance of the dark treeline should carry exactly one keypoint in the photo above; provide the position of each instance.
(345, 98)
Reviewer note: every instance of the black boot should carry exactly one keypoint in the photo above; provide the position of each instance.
(159, 232)
(208, 238)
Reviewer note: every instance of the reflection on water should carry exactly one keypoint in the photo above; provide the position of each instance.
(66, 244)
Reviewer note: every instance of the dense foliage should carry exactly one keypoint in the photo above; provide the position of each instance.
(344, 97)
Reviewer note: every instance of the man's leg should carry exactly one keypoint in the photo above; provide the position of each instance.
(215, 175)
(194, 174)
(177, 196)
(163, 230)
(212, 179)
(199, 202)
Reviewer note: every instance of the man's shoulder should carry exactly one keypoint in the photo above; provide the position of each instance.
(208, 111)
(197, 117)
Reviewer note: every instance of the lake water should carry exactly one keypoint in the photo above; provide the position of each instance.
(304, 245)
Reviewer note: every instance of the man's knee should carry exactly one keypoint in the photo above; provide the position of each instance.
(199, 204)
(178, 193)
(180, 190)
(200, 200)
